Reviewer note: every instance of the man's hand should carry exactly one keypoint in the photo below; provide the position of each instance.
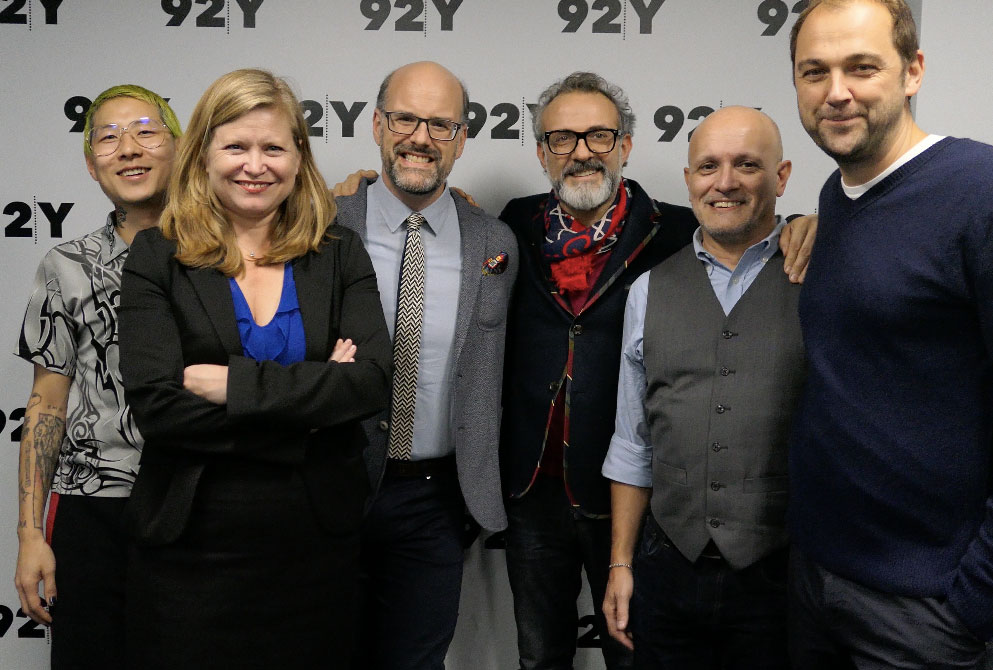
(35, 563)
(468, 198)
(210, 382)
(351, 183)
(796, 242)
(617, 598)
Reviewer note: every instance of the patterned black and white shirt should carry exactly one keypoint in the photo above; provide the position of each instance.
(70, 327)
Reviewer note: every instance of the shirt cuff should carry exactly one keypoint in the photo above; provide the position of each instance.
(628, 463)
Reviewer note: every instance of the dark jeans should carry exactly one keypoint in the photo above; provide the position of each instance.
(548, 544)
(837, 624)
(703, 614)
(91, 553)
(412, 559)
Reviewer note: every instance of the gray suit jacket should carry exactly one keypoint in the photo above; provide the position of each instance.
(477, 376)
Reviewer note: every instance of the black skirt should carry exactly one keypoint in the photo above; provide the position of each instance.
(253, 582)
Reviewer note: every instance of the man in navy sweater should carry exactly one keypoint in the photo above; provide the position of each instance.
(890, 467)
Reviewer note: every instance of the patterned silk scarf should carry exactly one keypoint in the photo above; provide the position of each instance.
(569, 246)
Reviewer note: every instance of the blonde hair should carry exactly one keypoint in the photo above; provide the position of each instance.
(193, 215)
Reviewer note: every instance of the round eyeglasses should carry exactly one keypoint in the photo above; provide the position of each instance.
(404, 123)
(597, 140)
(147, 132)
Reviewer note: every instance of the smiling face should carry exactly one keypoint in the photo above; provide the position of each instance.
(852, 86)
(585, 182)
(735, 173)
(252, 165)
(132, 175)
(416, 166)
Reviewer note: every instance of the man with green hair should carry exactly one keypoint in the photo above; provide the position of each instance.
(78, 437)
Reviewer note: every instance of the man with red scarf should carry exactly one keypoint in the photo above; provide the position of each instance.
(581, 247)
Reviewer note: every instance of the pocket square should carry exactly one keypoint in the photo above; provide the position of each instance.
(495, 265)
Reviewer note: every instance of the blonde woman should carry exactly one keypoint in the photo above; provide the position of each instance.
(252, 343)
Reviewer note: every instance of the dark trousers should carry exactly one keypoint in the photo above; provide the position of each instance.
(88, 623)
(698, 615)
(412, 557)
(837, 624)
(548, 544)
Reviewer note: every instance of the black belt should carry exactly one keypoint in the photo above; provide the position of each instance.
(428, 467)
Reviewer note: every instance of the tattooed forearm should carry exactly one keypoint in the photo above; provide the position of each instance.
(26, 471)
(47, 440)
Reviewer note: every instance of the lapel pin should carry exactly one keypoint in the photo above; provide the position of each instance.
(495, 265)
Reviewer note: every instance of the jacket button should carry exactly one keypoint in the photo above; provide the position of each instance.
(715, 523)
(715, 486)
(577, 329)
(553, 386)
(716, 446)
(725, 372)
(384, 425)
(728, 334)
(721, 409)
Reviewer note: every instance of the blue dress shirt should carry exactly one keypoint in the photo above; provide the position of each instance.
(384, 239)
(629, 457)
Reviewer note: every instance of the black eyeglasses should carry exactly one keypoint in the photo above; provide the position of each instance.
(404, 123)
(598, 140)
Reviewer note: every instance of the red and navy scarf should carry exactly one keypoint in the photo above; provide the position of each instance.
(569, 246)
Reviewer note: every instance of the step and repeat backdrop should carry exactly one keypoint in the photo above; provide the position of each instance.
(678, 60)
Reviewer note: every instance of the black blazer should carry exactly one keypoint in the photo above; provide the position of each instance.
(305, 414)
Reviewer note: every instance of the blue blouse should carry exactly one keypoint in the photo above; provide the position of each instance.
(282, 339)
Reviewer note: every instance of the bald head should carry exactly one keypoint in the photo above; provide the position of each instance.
(735, 171)
(429, 76)
(762, 129)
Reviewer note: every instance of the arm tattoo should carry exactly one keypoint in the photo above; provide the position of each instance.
(47, 441)
(24, 482)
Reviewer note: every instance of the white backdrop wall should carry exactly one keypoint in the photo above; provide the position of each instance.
(677, 59)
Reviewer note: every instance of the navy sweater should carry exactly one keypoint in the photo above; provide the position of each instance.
(890, 467)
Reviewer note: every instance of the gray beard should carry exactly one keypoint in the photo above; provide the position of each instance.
(585, 198)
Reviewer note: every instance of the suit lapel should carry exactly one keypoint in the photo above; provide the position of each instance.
(314, 296)
(631, 241)
(473, 246)
(215, 293)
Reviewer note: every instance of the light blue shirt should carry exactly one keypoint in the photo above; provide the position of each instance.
(629, 457)
(384, 239)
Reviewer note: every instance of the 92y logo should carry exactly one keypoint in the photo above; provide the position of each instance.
(378, 11)
(23, 214)
(14, 12)
(28, 629)
(210, 17)
(575, 12)
(774, 13)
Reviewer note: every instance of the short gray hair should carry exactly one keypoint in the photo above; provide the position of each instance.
(584, 82)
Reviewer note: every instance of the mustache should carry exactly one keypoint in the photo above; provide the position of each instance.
(425, 149)
(583, 166)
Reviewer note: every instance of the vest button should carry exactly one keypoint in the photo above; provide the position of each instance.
(577, 329)
(716, 446)
(553, 386)
(725, 372)
(715, 486)
(721, 409)
(727, 334)
(715, 523)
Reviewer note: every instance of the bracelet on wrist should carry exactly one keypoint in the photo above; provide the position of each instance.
(620, 565)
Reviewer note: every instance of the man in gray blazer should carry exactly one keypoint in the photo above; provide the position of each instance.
(711, 369)
(412, 539)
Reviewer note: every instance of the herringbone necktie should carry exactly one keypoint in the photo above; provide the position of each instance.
(407, 340)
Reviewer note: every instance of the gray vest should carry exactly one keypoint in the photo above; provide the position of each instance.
(720, 394)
